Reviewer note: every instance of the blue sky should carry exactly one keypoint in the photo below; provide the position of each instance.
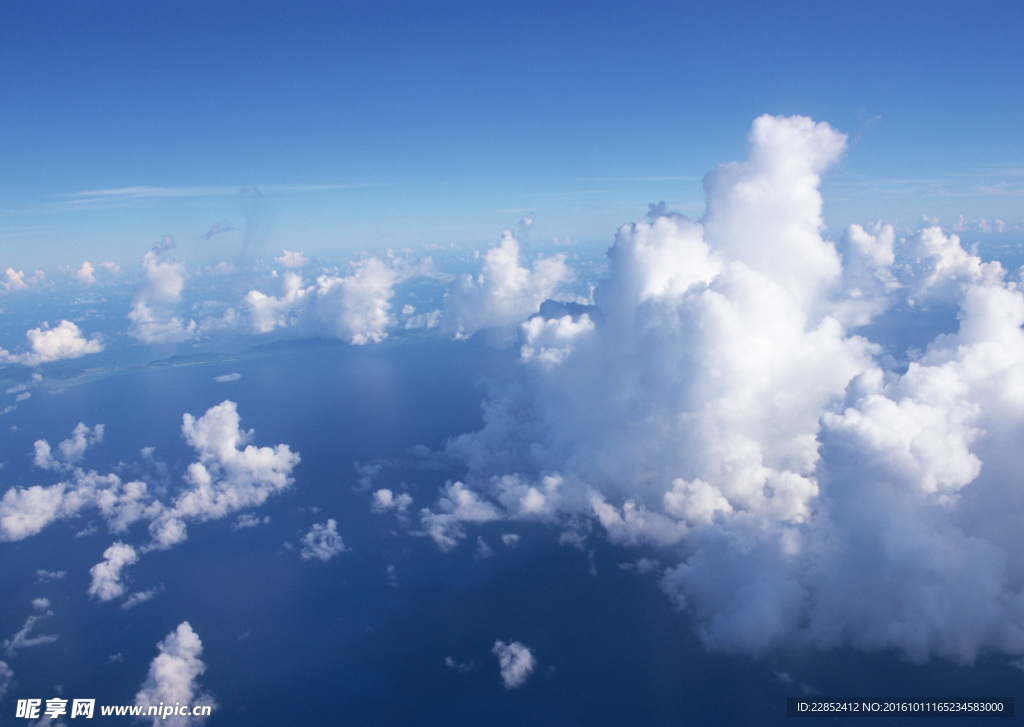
(396, 124)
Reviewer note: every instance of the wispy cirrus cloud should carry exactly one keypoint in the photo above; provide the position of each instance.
(125, 195)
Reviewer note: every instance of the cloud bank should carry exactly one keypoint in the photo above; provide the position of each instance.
(741, 395)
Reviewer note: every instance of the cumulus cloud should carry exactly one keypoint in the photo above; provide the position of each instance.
(516, 662)
(322, 542)
(64, 341)
(355, 308)
(457, 505)
(291, 259)
(15, 280)
(503, 294)
(230, 474)
(159, 290)
(106, 575)
(84, 274)
(384, 499)
(173, 677)
(740, 394)
(70, 451)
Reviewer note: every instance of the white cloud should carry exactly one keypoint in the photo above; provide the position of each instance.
(84, 274)
(6, 679)
(230, 475)
(64, 341)
(248, 520)
(384, 499)
(457, 505)
(24, 638)
(516, 662)
(291, 259)
(70, 451)
(826, 490)
(322, 542)
(504, 294)
(106, 575)
(159, 290)
(227, 378)
(15, 280)
(173, 677)
(355, 308)
(26, 511)
(139, 597)
(50, 575)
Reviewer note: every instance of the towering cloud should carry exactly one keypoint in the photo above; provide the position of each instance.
(106, 575)
(159, 290)
(173, 678)
(724, 399)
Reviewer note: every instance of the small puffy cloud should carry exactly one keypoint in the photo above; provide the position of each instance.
(504, 294)
(384, 499)
(64, 341)
(84, 274)
(248, 520)
(291, 259)
(106, 575)
(516, 662)
(226, 378)
(322, 542)
(173, 677)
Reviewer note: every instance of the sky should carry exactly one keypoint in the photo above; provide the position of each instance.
(397, 124)
(459, 364)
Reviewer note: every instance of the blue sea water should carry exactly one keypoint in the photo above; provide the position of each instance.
(363, 639)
